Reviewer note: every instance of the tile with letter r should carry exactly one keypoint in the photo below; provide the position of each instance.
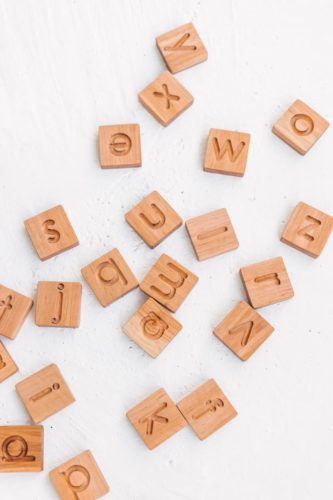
(58, 304)
(7, 365)
(119, 146)
(21, 448)
(14, 308)
(226, 152)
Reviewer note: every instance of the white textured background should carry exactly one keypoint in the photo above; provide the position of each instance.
(65, 68)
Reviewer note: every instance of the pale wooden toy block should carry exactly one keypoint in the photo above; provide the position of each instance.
(266, 282)
(14, 308)
(153, 219)
(156, 419)
(226, 152)
(79, 478)
(119, 146)
(243, 330)
(44, 393)
(300, 127)
(181, 48)
(165, 98)
(207, 409)
(58, 304)
(21, 448)
(51, 232)
(212, 234)
(7, 365)
(109, 277)
(168, 282)
(308, 229)
(152, 327)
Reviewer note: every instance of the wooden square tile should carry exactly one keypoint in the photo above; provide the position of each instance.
(212, 234)
(156, 419)
(51, 232)
(153, 219)
(152, 327)
(14, 308)
(58, 304)
(243, 330)
(109, 277)
(207, 409)
(181, 48)
(79, 478)
(308, 229)
(168, 282)
(300, 127)
(119, 146)
(226, 152)
(266, 282)
(165, 98)
(7, 365)
(44, 393)
(21, 448)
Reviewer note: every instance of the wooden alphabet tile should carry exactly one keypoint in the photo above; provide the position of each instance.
(44, 393)
(226, 152)
(51, 232)
(14, 308)
(181, 48)
(243, 330)
(109, 277)
(266, 282)
(165, 98)
(212, 234)
(79, 478)
(207, 409)
(153, 219)
(308, 229)
(58, 304)
(300, 127)
(156, 419)
(168, 282)
(119, 146)
(21, 448)
(7, 365)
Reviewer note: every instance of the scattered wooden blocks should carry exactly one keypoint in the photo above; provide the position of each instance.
(58, 304)
(226, 152)
(14, 308)
(266, 282)
(153, 219)
(300, 127)
(51, 232)
(7, 365)
(207, 409)
(44, 393)
(21, 448)
(79, 478)
(165, 98)
(156, 419)
(243, 330)
(308, 229)
(109, 277)
(168, 282)
(119, 146)
(212, 234)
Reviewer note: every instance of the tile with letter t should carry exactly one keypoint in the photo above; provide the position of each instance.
(226, 152)
(119, 146)
(14, 308)
(58, 304)
(7, 365)
(22, 448)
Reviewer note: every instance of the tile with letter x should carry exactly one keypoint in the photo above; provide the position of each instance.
(226, 152)
(119, 146)
(58, 304)
(7, 365)
(14, 308)
(21, 448)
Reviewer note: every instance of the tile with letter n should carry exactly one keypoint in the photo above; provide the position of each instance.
(14, 308)
(21, 448)
(119, 146)
(58, 304)
(226, 152)
(7, 365)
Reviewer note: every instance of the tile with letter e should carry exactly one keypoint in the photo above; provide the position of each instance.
(21, 448)
(226, 152)
(58, 304)
(119, 146)
(14, 308)
(7, 365)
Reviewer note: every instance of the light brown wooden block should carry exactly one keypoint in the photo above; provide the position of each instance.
(109, 277)
(58, 304)
(156, 419)
(168, 282)
(44, 393)
(119, 146)
(153, 219)
(300, 127)
(212, 234)
(266, 282)
(14, 308)
(7, 365)
(207, 409)
(308, 229)
(152, 327)
(226, 152)
(181, 48)
(21, 448)
(243, 330)
(51, 232)
(79, 478)
(165, 98)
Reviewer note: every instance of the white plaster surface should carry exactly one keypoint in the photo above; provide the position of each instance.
(65, 68)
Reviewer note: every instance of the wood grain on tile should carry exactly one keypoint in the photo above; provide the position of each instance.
(21, 448)
(14, 308)
(119, 146)
(7, 365)
(226, 152)
(58, 304)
